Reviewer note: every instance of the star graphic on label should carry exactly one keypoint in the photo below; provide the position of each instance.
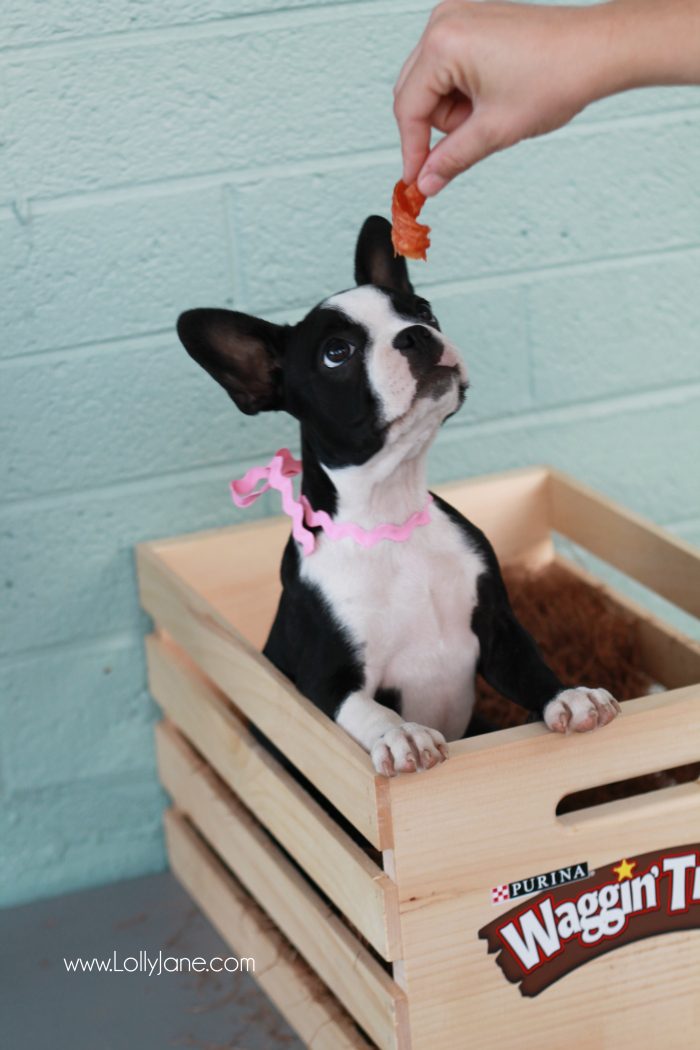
(624, 869)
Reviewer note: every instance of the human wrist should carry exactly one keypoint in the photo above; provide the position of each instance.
(643, 43)
(595, 51)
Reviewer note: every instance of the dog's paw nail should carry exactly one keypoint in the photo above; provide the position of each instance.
(431, 758)
(411, 748)
(382, 760)
(580, 710)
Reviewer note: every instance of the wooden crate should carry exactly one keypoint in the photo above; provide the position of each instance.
(278, 877)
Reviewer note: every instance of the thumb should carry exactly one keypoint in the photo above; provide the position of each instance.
(469, 143)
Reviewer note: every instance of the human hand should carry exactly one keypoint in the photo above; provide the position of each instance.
(489, 74)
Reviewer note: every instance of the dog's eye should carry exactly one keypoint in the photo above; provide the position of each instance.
(424, 313)
(337, 352)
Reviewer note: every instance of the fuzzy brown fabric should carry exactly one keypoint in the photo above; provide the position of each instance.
(580, 633)
(586, 640)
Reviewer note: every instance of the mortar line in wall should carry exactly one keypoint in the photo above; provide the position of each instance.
(106, 642)
(678, 392)
(317, 163)
(146, 341)
(503, 279)
(600, 407)
(507, 278)
(664, 115)
(126, 638)
(529, 348)
(234, 254)
(681, 528)
(214, 470)
(594, 264)
(234, 26)
(314, 164)
(591, 408)
(684, 523)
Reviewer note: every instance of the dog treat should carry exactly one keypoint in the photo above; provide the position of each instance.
(409, 238)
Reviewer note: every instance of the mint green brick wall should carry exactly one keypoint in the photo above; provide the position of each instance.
(162, 155)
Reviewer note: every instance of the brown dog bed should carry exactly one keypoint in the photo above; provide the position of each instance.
(586, 640)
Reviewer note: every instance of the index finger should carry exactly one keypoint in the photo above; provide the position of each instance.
(414, 104)
(406, 68)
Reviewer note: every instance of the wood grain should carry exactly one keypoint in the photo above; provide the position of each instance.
(292, 986)
(650, 555)
(485, 817)
(313, 742)
(360, 983)
(338, 865)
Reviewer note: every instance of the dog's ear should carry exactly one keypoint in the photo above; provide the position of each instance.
(375, 259)
(242, 353)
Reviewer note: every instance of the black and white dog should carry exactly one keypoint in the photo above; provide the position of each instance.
(386, 639)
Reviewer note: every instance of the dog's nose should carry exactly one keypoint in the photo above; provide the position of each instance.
(416, 337)
(418, 342)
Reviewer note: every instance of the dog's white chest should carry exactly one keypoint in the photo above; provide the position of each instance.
(407, 608)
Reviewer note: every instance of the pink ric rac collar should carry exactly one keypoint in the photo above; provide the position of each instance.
(278, 474)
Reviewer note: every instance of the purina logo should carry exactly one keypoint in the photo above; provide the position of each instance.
(552, 934)
(510, 891)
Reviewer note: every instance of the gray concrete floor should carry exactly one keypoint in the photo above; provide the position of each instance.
(43, 1007)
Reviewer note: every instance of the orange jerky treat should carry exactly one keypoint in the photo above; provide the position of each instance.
(410, 238)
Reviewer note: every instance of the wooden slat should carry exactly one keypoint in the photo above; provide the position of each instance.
(512, 781)
(296, 991)
(362, 891)
(313, 742)
(644, 996)
(642, 550)
(653, 808)
(666, 654)
(512, 508)
(356, 978)
(488, 815)
(236, 569)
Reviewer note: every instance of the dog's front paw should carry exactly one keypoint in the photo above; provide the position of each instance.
(407, 748)
(580, 710)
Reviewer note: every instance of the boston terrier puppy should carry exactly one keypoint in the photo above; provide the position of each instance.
(386, 622)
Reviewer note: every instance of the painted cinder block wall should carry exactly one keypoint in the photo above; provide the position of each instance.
(157, 156)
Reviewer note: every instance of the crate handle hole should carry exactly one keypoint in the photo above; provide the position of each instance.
(629, 788)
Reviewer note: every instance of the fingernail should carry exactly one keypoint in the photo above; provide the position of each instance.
(431, 183)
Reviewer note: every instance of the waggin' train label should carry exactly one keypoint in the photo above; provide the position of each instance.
(548, 936)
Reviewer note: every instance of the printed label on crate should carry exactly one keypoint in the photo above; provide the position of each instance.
(510, 891)
(549, 935)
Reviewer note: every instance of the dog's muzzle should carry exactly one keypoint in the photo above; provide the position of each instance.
(434, 365)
